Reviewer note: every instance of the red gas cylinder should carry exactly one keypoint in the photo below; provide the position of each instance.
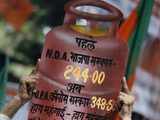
(81, 66)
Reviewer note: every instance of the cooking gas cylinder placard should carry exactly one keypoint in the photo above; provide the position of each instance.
(79, 82)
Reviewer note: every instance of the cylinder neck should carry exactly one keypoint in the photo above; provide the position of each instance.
(94, 28)
(94, 24)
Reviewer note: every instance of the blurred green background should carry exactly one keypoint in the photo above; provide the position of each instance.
(23, 47)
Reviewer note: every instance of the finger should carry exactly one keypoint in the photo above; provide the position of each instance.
(31, 78)
(122, 97)
(25, 78)
(30, 81)
(22, 87)
(35, 70)
(36, 76)
(126, 99)
(125, 86)
(123, 94)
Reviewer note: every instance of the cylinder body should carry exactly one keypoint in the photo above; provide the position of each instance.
(78, 74)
